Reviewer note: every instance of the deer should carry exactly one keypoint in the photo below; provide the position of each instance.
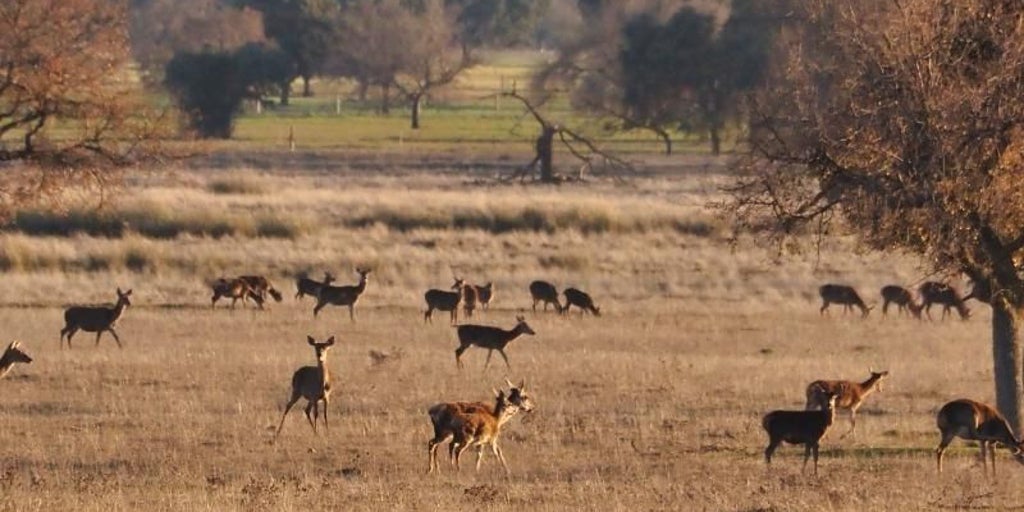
(491, 338)
(306, 286)
(342, 295)
(444, 301)
(849, 395)
(903, 298)
(468, 424)
(470, 298)
(13, 354)
(941, 293)
(799, 427)
(976, 421)
(95, 319)
(543, 291)
(484, 294)
(580, 299)
(259, 288)
(312, 383)
(235, 289)
(841, 294)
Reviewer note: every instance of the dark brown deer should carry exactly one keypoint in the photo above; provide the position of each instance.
(234, 289)
(13, 354)
(491, 338)
(468, 424)
(941, 293)
(543, 291)
(849, 395)
(841, 294)
(580, 299)
(470, 299)
(976, 421)
(798, 427)
(306, 286)
(903, 298)
(95, 319)
(312, 383)
(260, 288)
(444, 301)
(484, 294)
(343, 295)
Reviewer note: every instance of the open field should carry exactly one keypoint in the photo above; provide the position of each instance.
(656, 405)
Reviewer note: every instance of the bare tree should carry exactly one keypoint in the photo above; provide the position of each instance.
(902, 122)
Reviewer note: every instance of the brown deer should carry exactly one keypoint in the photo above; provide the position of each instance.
(234, 289)
(903, 299)
(470, 299)
(444, 301)
(491, 338)
(543, 291)
(798, 427)
(849, 395)
(13, 354)
(580, 299)
(342, 295)
(468, 424)
(841, 294)
(306, 286)
(941, 293)
(484, 294)
(976, 421)
(312, 383)
(95, 319)
(260, 288)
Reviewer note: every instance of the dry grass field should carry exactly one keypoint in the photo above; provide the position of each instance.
(655, 405)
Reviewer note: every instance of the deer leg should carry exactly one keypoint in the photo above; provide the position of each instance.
(488, 361)
(501, 456)
(287, 407)
(458, 355)
(807, 456)
(98, 334)
(352, 312)
(326, 429)
(458, 453)
(428, 315)
(455, 315)
(116, 337)
(503, 356)
(309, 417)
(317, 308)
(946, 439)
(853, 423)
(885, 309)
(824, 306)
(773, 444)
(432, 446)
(992, 457)
(479, 456)
(815, 450)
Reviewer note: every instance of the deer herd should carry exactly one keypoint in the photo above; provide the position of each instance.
(477, 424)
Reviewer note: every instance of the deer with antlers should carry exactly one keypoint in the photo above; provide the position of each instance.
(343, 295)
(312, 383)
(491, 338)
(849, 395)
(306, 286)
(444, 301)
(844, 295)
(97, 319)
(903, 298)
(976, 421)
(13, 354)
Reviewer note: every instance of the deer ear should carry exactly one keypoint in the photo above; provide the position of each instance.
(522, 385)
(310, 340)
(330, 341)
(509, 383)
(520, 318)
(497, 394)
(129, 292)
(119, 291)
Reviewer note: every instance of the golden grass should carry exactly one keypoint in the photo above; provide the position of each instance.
(656, 405)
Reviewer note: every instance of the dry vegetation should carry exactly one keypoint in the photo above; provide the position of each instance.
(654, 405)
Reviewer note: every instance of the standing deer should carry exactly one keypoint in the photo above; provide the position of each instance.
(484, 294)
(491, 338)
(903, 299)
(849, 395)
(941, 293)
(342, 295)
(468, 424)
(444, 301)
(12, 355)
(259, 288)
(798, 427)
(94, 319)
(235, 289)
(543, 291)
(312, 383)
(580, 299)
(841, 294)
(306, 286)
(976, 421)
(470, 298)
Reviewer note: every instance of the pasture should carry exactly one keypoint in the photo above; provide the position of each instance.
(654, 405)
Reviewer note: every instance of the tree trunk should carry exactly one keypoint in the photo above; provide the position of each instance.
(362, 90)
(545, 154)
(417, 100)
(667, 139)
(1007, 360)
(716, 139)
(286, 92)
(385, 99)
(307, 91)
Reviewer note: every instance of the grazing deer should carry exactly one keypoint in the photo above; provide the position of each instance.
(491, 338)
(312, 383)
(342, 295)
(798, 427)
(468, 424)
(12, 355)
(941, 293)
(469, 299)
(903, 299)
(543, 291)
(849, 395)
(580, 299)
(94, 319)
(841, 294)
(306, 286)
(484, 294)
(976, 421)
(235, 289)
(444, 301)
(259, 288)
